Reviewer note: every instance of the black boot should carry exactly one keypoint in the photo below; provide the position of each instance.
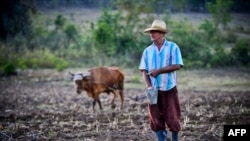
(161, 135)
(174, 136)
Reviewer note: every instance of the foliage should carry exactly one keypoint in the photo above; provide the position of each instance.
(40, 59)
(220, 11)
(191, 45)
(71, 32)
(210, 35)
(3, 58)
(208, 31)
(104, 37)
(59, 22)
(63, 35)
(231, 37)
(241, 53)
(219, 58)
(118, 35)
(9, 69)
(15, 18)
(117, 38)
(241, 6)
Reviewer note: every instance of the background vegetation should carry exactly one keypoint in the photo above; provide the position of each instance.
(31, 39)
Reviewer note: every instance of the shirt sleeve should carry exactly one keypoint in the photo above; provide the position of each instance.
(143, 62)
(177, 59)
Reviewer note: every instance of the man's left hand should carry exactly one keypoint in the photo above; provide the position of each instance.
(153, 72)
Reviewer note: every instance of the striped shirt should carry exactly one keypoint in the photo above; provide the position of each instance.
(152, 58)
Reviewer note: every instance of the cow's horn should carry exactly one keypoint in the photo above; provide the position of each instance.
(71, 73)
(78, 76)
(86, 74)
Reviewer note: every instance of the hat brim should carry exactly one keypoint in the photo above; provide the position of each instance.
(157, 29)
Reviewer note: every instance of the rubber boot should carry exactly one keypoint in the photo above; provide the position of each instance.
(161, 135)
(174, 136)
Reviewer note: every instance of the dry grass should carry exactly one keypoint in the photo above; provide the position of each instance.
(211, 80)
(205, 80)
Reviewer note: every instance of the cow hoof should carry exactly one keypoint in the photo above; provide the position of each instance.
(113, 106)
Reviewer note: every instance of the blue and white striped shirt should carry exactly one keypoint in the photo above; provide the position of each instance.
(152, 58)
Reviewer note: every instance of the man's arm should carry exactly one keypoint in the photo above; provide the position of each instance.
(146, 79)
(166, 69)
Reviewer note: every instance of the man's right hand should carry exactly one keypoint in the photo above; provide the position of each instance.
(150, 88)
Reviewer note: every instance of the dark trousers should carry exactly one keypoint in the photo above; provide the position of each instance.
(166, 112)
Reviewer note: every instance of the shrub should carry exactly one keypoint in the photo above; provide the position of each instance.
(220, 11)
(241, 52)
(208, 29)
(195, 52)
(40, 59)
(231, 37)
(9, 69)
(61, 65)
(220, 58)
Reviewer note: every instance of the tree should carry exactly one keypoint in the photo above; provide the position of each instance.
(15, 17)
(71, 33)
(220, 11)
(104, 36)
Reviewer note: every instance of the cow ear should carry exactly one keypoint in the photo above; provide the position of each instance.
(71, 75)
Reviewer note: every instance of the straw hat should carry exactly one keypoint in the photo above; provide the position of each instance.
(158, 25)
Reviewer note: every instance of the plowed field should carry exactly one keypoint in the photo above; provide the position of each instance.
(43, 105)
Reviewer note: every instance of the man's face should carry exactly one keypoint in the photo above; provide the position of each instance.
(156, 35)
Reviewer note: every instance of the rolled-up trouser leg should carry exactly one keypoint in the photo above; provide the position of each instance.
(169, 107)
(166, 111)
(156, 119)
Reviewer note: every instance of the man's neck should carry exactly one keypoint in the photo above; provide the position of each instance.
(159, 43)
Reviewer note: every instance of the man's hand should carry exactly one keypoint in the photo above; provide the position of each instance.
(153, 73)
(150, 88)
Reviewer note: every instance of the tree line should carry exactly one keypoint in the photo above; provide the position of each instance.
(29, 39)
(239, 6)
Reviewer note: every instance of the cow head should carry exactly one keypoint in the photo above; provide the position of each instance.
(79, 79)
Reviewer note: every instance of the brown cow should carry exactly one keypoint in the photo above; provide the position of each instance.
(98, 80)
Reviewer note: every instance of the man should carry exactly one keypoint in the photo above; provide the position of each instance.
(158, 65)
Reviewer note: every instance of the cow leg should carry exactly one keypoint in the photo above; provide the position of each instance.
(99, 102)
(122, 98)
(93, 104)
(113, 100)
(97, 98)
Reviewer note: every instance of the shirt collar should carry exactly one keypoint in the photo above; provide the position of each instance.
(165, 44)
